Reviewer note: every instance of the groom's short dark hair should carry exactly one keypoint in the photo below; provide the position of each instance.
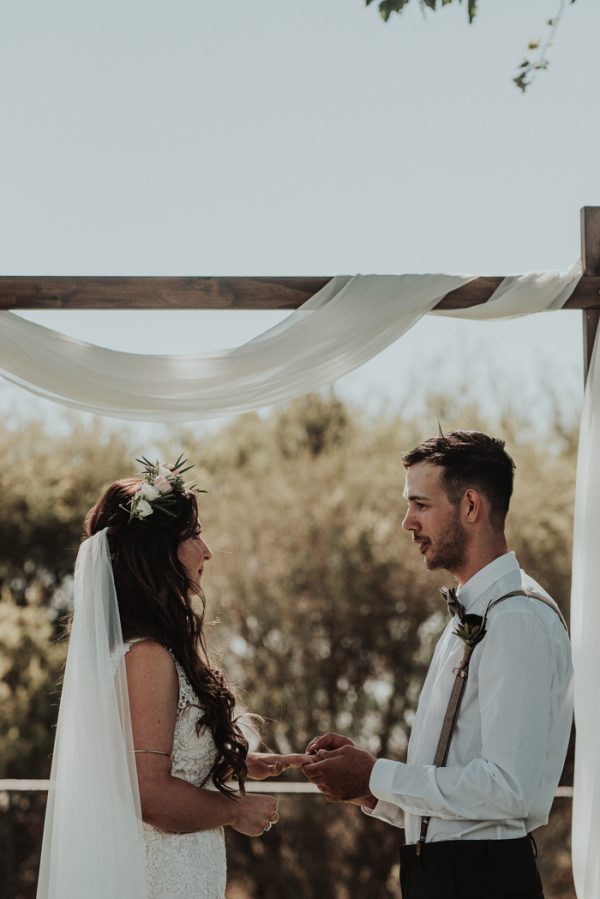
(470, 459)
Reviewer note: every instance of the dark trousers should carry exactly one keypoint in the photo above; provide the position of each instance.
(471, 869)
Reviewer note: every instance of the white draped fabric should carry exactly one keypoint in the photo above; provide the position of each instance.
(342, 326)
(585, 633)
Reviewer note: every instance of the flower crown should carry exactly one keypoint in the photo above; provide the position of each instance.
(161, 485)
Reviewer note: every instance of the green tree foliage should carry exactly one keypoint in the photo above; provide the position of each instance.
(537, 58)
(48, 483)
(328, 619)
(31, 662)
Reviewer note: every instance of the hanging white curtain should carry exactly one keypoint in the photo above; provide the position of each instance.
(585, 628)
(344, 325)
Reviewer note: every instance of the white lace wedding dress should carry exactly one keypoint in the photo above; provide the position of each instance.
(187, 865)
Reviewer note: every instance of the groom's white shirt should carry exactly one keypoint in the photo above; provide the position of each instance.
(511, 736)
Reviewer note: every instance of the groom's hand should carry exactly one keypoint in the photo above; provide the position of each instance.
(328, 741)
(341, 774)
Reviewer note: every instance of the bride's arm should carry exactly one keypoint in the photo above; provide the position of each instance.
(269, 764)
(170, 803)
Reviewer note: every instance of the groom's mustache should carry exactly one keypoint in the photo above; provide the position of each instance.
(421, 541)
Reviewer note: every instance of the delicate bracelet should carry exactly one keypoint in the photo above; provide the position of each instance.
(154, 752)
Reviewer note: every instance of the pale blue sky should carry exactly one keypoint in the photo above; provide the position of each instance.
(148, 138)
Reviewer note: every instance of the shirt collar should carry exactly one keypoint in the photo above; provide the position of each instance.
(486, 577)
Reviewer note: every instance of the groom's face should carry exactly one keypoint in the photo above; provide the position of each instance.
(432, 519)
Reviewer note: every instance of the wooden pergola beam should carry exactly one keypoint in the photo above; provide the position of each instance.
(157, 292)
(89, 292)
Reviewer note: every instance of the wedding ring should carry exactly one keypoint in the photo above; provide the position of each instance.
(268, 827)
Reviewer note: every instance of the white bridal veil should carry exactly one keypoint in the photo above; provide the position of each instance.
(93, 844)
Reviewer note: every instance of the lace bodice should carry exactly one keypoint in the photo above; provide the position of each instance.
(187, 865)
(193, 756)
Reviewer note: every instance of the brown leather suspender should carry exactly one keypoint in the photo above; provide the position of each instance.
(534, 595)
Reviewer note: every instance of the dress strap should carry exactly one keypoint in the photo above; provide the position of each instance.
(187, 696)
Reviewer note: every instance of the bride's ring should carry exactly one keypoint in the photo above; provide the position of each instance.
(268, 827)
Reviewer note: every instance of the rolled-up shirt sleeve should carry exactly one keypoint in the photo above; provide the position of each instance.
(514, 695)
(386, 811)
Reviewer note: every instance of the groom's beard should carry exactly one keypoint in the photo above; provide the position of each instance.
(450, 551)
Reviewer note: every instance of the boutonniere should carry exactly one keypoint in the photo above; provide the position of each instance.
(471, 630)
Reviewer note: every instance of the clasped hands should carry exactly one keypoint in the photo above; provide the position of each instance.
(338, 768)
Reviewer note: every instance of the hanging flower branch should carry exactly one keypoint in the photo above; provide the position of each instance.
(539, 49)
(537, 59)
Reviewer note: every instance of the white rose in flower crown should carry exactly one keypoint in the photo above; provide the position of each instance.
(149, 492)
(162, 485)
(143, 509)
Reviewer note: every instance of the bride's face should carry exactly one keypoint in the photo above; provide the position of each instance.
(193, 553)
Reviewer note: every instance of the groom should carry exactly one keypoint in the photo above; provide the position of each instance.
(467, 823)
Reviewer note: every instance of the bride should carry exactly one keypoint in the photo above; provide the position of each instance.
(149, 763)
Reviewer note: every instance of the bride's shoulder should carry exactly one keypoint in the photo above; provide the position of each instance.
(153, 689)
(150, 667)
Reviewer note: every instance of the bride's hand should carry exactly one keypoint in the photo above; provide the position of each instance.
(269, 764)
(255, 814)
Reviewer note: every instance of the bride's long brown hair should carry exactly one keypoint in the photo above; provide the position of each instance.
(153, 593)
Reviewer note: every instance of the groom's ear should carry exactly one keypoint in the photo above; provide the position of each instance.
(471, 505)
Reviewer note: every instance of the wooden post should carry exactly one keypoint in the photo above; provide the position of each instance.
(590, 256)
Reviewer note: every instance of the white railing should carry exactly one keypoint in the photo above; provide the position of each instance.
(262, 786)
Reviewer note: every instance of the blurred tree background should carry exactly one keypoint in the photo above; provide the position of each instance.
(320, 612)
